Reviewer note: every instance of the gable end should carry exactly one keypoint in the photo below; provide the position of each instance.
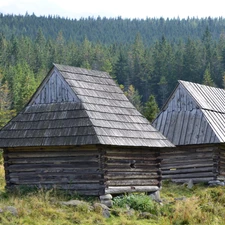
(54, 89)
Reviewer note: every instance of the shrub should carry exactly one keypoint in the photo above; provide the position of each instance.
(137, 202)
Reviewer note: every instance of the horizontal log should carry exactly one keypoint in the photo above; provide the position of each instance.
(138, 182)
(184, 165)
(186, 156)
(137, 151)
(83, 176)
(128, 189)
(126, 177)
(191, 170)
(36, 181)
(53, 148)
(186, 161)
(49, 169)
(222, 164)
(186, 150)
(221, 177)
(130, 157)
(128, 165)
(50, 165)
(222, 153)
(125, 160)
(14, 155)
(54, 160)
(131, 173)
(129, 169)
(188, 175)
(57, 172)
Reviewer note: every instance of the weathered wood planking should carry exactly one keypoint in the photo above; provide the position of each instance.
(221, 165)
(184, 122)
(55, 90)
(200, 164)
(132, 167)
(78, 170)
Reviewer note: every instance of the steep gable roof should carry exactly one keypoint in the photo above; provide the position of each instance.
(75, 106)
(208, 98)
(194, 114)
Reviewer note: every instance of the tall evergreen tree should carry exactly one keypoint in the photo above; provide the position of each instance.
(120, 69)
(207, 80)
(134, 97)
(6, 113)
(151, 108)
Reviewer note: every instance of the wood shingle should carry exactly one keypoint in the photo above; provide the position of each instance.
(75, 106)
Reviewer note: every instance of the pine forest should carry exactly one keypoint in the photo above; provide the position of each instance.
(146, 57)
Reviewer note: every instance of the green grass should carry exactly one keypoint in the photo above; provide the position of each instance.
(180, 206)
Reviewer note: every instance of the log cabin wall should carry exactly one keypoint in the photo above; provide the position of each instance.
(131, 168)
(196, 163)
(76, 169)
(222, 163)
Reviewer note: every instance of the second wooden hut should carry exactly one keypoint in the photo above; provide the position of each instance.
(193, 119)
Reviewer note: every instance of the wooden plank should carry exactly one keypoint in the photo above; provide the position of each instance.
(177, 100)
(208, 134)
(171, 129)
(178, 128)
(162, 125)
(158, 121)
(196, 127)
(190, 127)
(184, 128)
(167, 124)
(203, 130)
(183, 98)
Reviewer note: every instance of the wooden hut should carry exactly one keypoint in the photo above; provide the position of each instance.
(79, 132)
(193, 119)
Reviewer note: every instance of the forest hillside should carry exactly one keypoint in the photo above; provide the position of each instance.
(145, 57)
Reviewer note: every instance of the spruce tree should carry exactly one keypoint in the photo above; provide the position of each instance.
(151, 108)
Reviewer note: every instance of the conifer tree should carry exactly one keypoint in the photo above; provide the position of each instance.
(134, 97)
(151, 108)
(207, 80)
(5, 103)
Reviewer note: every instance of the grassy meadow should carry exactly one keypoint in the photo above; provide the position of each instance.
(180, 206)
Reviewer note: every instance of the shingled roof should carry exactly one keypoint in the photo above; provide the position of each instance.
(194, 114)
(75, 106)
